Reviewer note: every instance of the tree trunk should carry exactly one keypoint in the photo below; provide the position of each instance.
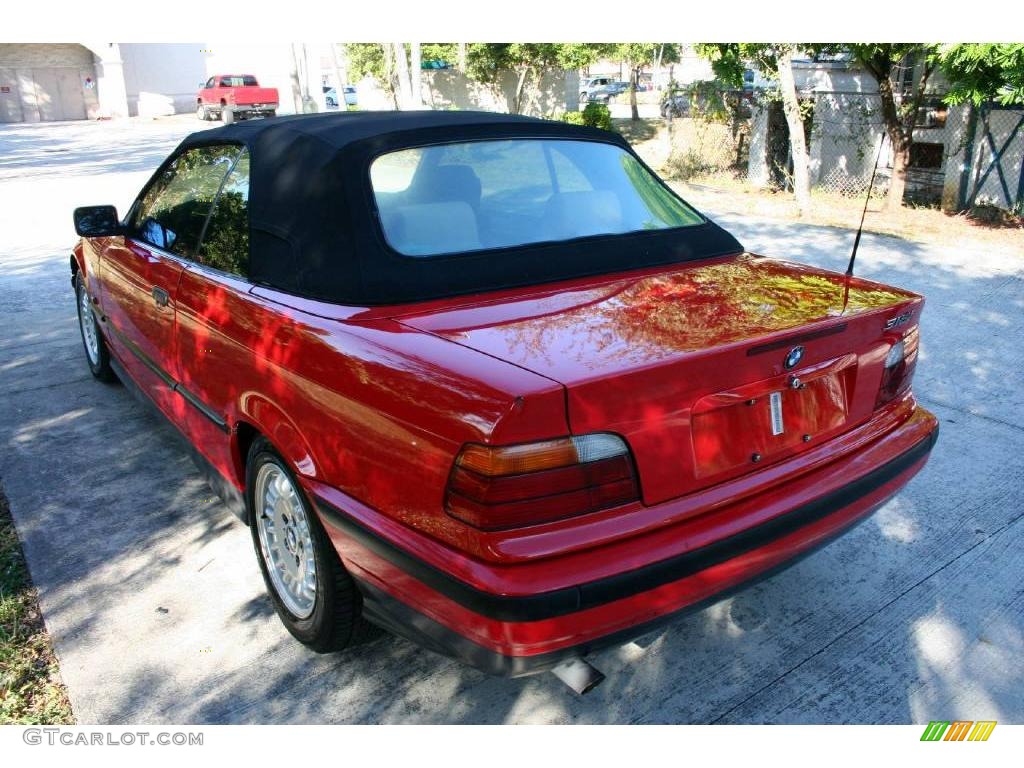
(899, 140)
(898, 183)
(415, 75)
(517, 98)
(797, 140)
(402, 69)
(634, 73)
(300, 106)
(340, 78)
(776, 146)
(389, 73)
(462, 57)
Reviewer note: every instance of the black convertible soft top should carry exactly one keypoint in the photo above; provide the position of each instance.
(313, 218)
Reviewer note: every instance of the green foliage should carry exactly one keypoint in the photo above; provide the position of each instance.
(728, 60)
(597, 116)
(640, 55)
(980, 72)
(485, 61)
(366, 60)
(446, 52)
(594, 115)
(879, 58)
(226, 242)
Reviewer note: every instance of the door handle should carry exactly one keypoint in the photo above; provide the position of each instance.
(160, 296)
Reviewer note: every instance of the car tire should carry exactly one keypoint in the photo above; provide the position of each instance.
(96, 353)
(270, 113)
(202, 112)
(227, 116)
(330, 619)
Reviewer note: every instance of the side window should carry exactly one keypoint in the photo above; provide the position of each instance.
(209, 83)
(225, 244)
(173, 211)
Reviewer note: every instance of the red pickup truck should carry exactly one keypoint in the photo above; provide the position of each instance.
(231, 97)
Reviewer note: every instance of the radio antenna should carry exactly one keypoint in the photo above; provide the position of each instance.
(871, 184)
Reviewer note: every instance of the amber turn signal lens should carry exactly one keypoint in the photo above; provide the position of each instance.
(495, 461)
(517, 459)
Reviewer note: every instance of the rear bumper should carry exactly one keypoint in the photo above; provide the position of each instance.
(519, 634)
(250, 109)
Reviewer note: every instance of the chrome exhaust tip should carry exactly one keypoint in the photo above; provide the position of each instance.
(578, 674)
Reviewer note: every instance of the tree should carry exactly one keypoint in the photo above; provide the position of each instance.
(449, 53)
(398, 55)
(728, 60)
(529, 61)
(389, 64)
(639, 56)
(980, 72)
(374, 60)
(886, 63)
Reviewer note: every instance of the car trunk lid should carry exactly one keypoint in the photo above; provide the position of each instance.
(709, 370)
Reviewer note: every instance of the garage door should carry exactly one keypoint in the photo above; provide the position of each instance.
(59, 94)
(10, 97)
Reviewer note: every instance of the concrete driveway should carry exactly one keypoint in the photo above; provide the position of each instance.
(152, 595)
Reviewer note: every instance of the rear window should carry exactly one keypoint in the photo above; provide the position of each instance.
(494, 194)
(237, 81)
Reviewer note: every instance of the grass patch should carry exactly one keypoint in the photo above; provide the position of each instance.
(31, 691)
(636, 131)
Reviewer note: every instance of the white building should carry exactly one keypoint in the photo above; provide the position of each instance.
(78, 81)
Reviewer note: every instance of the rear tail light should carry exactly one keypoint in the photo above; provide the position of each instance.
(899, 368)
(492, 488)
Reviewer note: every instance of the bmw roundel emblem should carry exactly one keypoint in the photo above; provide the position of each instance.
(795, 355)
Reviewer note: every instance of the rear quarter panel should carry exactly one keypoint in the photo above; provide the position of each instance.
(374, 409)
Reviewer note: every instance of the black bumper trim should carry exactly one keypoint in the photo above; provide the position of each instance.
(546, 605)
(392, 614)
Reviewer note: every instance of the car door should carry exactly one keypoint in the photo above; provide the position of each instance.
(141, 270)
(222, 332)
(206, 95)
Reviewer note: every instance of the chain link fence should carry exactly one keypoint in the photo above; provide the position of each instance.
(709, 132)
(845, 131)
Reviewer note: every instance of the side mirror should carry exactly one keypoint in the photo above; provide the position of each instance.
(97, 221)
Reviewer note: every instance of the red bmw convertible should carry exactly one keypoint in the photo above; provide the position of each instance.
(487, 382)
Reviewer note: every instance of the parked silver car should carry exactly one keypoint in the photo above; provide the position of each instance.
(331, 96)
(601, 89)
